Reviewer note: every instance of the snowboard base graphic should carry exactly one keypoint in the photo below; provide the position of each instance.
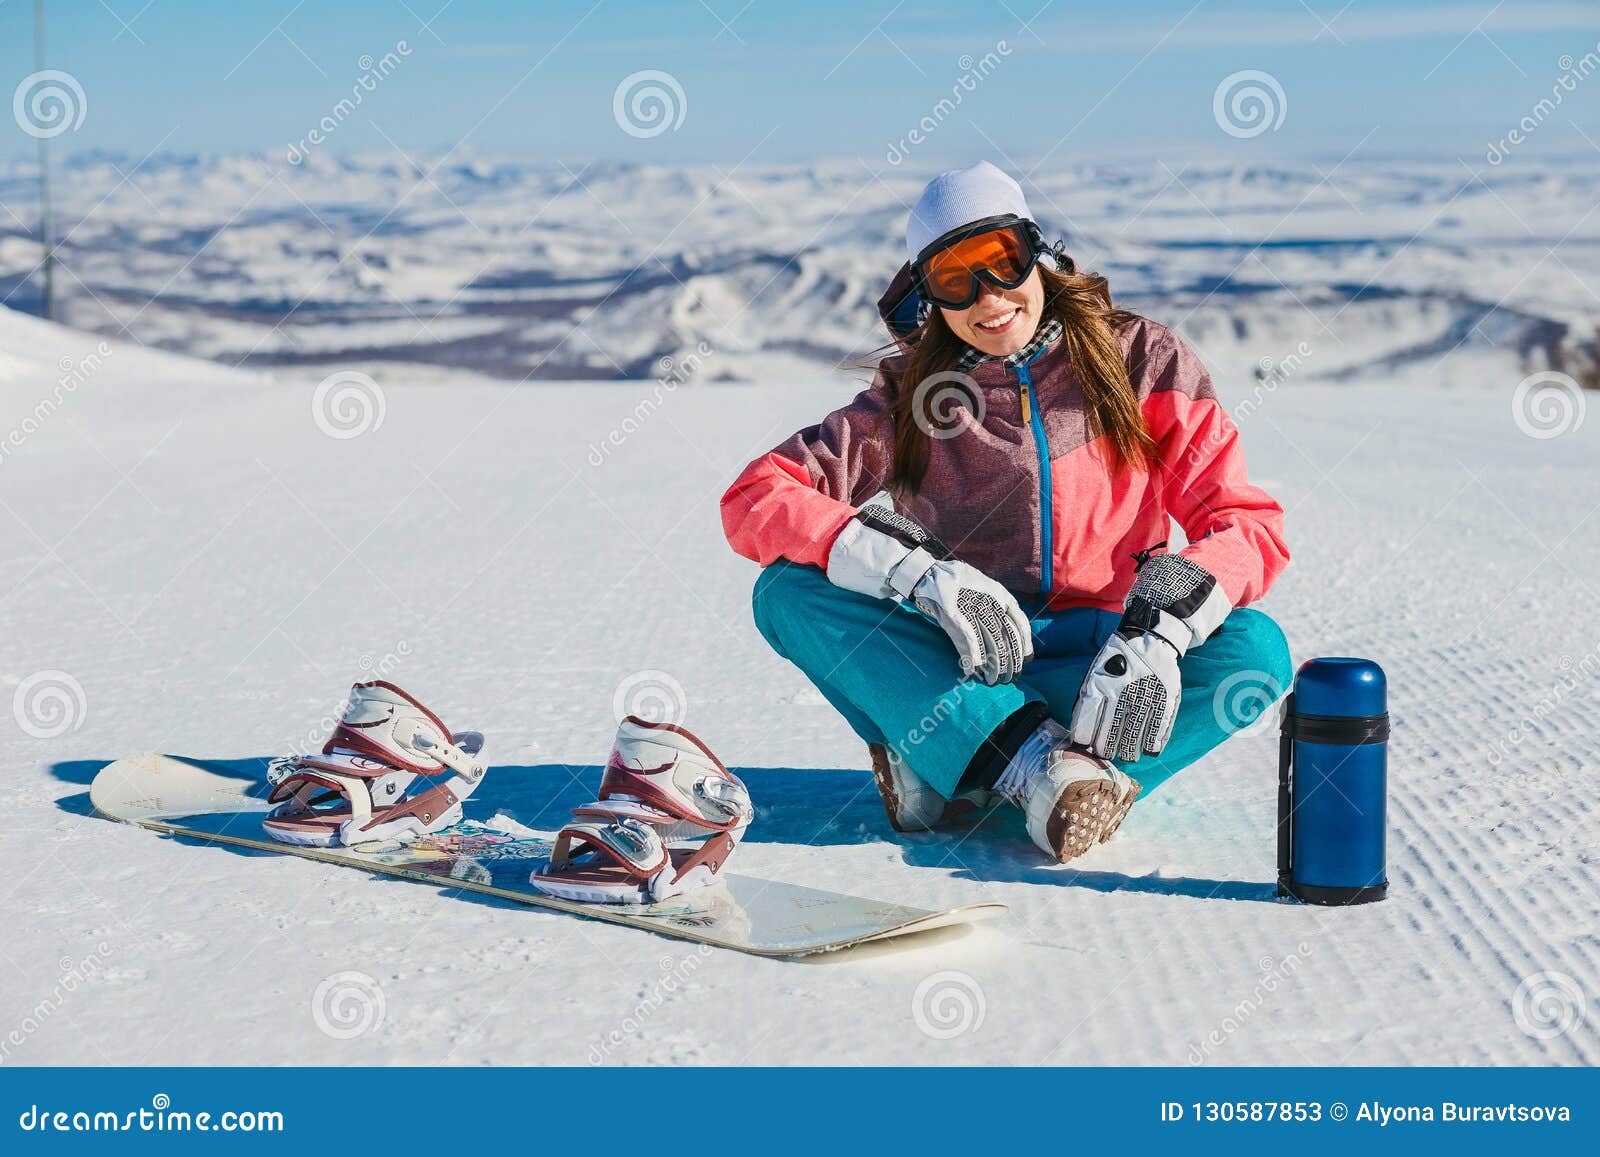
(186, 797)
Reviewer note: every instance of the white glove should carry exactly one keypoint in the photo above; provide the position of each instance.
(886, 555)
(982, 618)
(1129, 698)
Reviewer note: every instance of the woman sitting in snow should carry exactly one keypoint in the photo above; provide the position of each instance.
(1014, 628)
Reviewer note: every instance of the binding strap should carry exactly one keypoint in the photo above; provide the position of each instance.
(614, 831)
(631, 844)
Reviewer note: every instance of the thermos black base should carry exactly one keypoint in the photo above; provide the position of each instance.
(1339, 897)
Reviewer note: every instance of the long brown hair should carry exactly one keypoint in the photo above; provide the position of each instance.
(1089, 322)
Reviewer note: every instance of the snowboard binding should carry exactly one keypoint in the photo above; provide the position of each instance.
(668, 818)
(356, 790)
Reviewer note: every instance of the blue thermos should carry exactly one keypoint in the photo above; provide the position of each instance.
(1333, 756)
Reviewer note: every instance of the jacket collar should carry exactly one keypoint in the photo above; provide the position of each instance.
(1048, 334)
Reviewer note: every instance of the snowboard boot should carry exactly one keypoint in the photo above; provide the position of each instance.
(913, 806)
(1072, 799)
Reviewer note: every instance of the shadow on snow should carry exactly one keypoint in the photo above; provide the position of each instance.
(807, 807)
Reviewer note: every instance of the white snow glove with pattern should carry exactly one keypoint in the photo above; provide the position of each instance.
(1129, 698)
(886, 555)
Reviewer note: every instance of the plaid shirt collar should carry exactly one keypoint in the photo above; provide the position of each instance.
(1046, 337)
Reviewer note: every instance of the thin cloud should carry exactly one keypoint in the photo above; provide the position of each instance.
(1298, 26)
(475, 51)
(1288, 27)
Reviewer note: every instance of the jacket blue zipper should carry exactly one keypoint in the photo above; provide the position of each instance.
(1041, 445)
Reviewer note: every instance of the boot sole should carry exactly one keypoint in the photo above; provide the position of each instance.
(1123, 808)
(884, 779)
(954, 810)
(1081, 814)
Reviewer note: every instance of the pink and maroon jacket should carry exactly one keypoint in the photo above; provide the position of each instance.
(1024, 494)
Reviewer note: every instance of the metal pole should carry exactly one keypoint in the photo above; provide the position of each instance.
(46, 219)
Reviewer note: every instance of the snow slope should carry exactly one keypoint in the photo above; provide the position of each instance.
(211, 570)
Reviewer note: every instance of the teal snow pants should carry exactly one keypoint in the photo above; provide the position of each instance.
(893, 674)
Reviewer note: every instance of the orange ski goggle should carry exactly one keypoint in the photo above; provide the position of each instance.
(1002, 254)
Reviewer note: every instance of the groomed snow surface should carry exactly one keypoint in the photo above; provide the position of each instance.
(192, 564)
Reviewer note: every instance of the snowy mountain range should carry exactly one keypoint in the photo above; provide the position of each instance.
(1339, 271)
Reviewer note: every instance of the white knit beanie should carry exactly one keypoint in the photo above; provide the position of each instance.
(959, 198)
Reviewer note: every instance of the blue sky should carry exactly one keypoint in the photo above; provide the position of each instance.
(793, 81)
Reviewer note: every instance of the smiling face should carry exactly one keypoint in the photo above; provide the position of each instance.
(1001, 321)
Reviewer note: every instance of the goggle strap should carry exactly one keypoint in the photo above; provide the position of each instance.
(969, 230)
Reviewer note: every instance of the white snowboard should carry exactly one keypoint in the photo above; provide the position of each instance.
(187, 797)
